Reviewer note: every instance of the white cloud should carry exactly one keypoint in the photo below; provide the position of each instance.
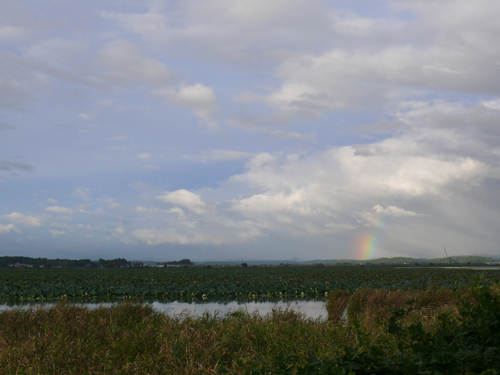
(220, 155)
(126, 64)
(449, 46)
(23, 79)
(199, 98)
(350, 23)
(401, 171)
(151, 168)
(145, 156)
(28, 220)
(151, 23)
(252, 125)
(327, 192)
(60, 210)
(159, 236)
(147, 209)
(178, 211)
(493, 104)
(394, 211)
(88, 115)
(191, 201)
(56, 51)
(295, 202)
(9, 32)
(215, 230)
(456, 128)
(57, 233)
(261, 160)
(81, 192)
(259, 28)
(8, 228)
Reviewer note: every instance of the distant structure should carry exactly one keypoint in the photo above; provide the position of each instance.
(446, 253)
(179, 263)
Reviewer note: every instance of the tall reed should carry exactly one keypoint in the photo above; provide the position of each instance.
(135, 339)
(372, 306)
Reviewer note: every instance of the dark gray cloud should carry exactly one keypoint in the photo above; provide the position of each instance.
(4, 125)
(12, 166)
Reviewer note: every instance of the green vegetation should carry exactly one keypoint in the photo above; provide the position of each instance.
(459, 334)
(457, 260)
(27, 262)
(235, 283)
(436, 331)
(382, 320)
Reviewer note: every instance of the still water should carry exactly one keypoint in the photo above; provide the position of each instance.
(311, 309)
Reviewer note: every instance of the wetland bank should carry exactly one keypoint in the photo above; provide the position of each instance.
(436, 307)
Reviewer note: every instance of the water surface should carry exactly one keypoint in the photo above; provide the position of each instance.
(311, 309)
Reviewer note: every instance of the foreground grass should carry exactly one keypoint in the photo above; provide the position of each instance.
(134, 339)
(440, 332)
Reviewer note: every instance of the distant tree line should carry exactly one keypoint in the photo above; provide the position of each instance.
(114, 263)
(182, 262)
(28, 262)
(20, 261)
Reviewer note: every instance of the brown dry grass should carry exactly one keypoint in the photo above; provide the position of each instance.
(337, 303)
(370, 307)
(134, 339)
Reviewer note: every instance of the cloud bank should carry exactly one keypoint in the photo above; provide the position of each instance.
(215, 129)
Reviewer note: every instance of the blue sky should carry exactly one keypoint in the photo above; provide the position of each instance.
(220, 129)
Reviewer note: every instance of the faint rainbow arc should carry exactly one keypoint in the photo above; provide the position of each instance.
(367, 243)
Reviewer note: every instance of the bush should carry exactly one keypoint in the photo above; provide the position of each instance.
(337, 303)
(467, 343)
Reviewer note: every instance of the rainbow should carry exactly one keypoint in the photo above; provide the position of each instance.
(367, 243)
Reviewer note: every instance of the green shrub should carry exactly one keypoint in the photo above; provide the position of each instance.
(465, 344)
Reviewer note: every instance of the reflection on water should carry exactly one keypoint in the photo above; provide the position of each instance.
(311, 309)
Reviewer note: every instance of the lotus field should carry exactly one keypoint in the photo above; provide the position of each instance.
(221, 283)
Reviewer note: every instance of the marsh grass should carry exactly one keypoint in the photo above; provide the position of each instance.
(337, 303)
(135, 339)
(370, 307)
(463, 336)
(131, 338)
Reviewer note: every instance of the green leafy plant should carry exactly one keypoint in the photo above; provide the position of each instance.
(466, 344)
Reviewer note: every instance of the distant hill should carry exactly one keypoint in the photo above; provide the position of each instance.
(467, 259)
(464, 259)
(26, 262)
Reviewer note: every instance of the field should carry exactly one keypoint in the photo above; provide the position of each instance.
(399, 321)
(223, 283)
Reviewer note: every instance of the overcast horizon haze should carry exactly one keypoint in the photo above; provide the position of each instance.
(252, 129)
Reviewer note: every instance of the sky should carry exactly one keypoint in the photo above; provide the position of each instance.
(249, 129)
